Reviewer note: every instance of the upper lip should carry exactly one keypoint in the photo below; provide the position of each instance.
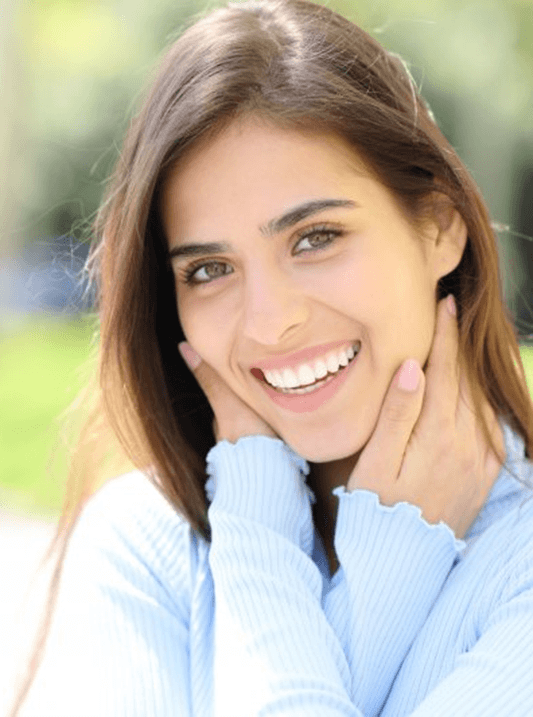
(299, 357)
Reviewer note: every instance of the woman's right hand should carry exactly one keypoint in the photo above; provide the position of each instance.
(233, 419)
(428, 447)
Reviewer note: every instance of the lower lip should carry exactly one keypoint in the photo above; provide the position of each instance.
(314, 400)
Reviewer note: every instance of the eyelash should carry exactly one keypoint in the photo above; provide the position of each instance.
(186, 275)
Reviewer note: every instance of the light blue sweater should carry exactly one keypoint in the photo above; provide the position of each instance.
(154, 622)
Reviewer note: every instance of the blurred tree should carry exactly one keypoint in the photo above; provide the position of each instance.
(474, 64)
(87, 61)
(10, 134)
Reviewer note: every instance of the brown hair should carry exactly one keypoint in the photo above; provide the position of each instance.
(298, 65)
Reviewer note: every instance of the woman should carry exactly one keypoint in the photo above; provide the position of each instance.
(287, 212)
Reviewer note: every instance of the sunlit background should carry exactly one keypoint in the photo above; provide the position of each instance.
(71, 74)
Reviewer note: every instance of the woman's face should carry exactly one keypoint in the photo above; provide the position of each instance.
(354, 272)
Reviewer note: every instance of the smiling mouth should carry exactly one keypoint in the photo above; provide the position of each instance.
(303, 389)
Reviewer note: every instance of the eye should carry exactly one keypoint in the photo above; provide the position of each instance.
(319, 238)
(189, 274)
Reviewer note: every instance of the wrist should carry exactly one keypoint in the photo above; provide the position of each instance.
(261, 479)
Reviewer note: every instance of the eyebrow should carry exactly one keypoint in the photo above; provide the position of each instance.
(274, 226)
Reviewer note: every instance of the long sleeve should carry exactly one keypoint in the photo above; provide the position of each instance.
(118, 645)
(393, 565)
(152, 620)
(275, 652)
(474, 655)
(494, 679)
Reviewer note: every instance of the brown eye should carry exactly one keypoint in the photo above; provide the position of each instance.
(319, 238)
(189, 276)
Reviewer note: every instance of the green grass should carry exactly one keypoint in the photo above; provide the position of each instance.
(39, 376)
(527, 360)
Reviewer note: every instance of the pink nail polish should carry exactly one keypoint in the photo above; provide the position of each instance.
(189, 355)
(409, 376)
(452, 308)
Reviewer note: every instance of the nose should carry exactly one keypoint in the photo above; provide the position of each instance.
(273, 307)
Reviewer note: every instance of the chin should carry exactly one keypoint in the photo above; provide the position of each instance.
(326, 451)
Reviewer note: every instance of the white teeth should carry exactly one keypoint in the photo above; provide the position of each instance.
(274, 377)
(307, 374)
(332, 363)
(321, 369)
(306, 389)
(289, 378)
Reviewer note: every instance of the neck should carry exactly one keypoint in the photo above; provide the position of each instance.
(322, 479)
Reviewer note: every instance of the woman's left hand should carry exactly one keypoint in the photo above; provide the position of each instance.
(233, 419)
(428, 447)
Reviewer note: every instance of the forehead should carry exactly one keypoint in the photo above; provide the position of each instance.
(259, 131)
(252, 152)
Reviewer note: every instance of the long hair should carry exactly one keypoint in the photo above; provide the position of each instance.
(300, 66)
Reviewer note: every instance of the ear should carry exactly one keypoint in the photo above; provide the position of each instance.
(446, 234)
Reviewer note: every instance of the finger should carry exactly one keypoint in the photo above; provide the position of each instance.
(442, 373)
(209, 381)
(481, 462)
(467, 415)
(469, 423)
(381, 459)
(217, 393)
(189, 355)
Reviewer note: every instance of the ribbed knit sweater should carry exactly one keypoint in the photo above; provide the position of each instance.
(152, 620)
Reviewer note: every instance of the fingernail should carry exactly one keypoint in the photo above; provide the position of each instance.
(450, 302)
(409, 376)
(189, 355)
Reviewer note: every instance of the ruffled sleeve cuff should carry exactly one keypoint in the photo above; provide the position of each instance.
(388, 545)
(259, 478)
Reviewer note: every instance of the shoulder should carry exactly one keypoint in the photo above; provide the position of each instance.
(129, 531)
(516, 546)
(121, 616)
(503, 555)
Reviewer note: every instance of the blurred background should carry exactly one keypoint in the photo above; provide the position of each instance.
(71, 75)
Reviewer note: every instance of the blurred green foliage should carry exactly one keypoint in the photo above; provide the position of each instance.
(71, 76)
(42, 369)
(82, 65)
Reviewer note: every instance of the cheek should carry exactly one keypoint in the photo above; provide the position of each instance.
(366, 276)
(344, 285)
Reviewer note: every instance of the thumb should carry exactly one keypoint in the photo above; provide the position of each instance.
(189, 355)
(381, 459)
